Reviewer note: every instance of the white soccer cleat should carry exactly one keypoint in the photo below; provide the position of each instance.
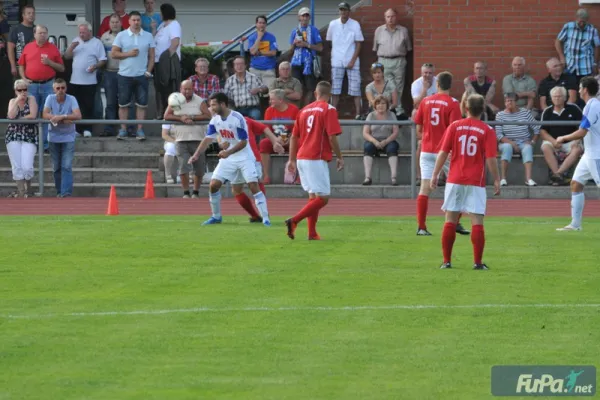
(569, 228)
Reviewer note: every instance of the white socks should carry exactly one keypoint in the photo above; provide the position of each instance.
(577, 203)
(215, 204)
(261, 203)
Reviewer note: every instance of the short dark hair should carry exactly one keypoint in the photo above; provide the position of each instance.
(444, 80)
(324, 88)
(263, 17)
(135, 13)
(168, 11)
(26, 6)
(591, 84)
(60, 81)
(475, 105)
(220, 97)
(511, 95)
(238, 58)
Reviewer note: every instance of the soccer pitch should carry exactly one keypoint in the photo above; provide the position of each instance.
(161, 308)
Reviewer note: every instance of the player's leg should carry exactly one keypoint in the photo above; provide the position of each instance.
(248, 170)
(454, 198)
(244, 201)
(259, 172)
(475, 205)
(427, 163)
(459, 227)
(582, 174)
(224, 171)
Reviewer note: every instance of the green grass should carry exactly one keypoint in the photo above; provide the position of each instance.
(53, 267)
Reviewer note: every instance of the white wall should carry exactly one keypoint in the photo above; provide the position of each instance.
(201, 20)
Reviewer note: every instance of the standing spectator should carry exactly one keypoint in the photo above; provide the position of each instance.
(346, 39)
(556, 77)
(379, 139)
(290, 85)
(306, 42)
(392, 43)
(167, 58)
(119, 7)
(279, 109)
(484, 85)
(243, 87)
(6, 85)
(4, 28)
(109, 81)
(88, 56)
(20, 36)
(570, 151)
(134, 48)
(62, 110)
(516, 138)
(577, 45)
(204, 83)
(150, 19)
(263, 51)
(521, 84)
(424, 86)
(38, 65)
(22, 139)
(381, 86)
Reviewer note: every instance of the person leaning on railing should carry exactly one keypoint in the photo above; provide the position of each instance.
(22, 139)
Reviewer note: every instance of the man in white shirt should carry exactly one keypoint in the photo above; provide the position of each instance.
(88, 56)
(346, 39)
(589, 165)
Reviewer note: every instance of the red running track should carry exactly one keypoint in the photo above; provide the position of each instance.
(279, 207)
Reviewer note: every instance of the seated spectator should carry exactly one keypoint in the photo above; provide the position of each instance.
(484, 85)
(263, 52)
(516, 138)
(204, 83)
(290, 85)
(521, 84)
(150, 18)
(243, 88)
(381, 87)
(62, 110)
(380, 138)
(22, 139)
(279, 109)
(556, 77)
(306, 41)
(553, 152)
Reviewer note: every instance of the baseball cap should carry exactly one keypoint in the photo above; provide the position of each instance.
(344, 6)
(304, 11)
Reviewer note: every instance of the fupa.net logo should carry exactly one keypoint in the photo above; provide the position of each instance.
(538, 380)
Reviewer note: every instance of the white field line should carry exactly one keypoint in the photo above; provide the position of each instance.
(297, 309)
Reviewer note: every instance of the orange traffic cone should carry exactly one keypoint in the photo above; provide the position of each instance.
(149, 191)
(113, 203)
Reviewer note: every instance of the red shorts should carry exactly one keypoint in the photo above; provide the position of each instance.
(266, 147)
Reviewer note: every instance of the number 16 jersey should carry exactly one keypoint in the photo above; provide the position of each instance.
(435, 114)
(314, 124)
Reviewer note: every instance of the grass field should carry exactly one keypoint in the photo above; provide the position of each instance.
(161, 308)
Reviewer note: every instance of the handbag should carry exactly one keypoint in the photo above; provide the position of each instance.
(317, 65)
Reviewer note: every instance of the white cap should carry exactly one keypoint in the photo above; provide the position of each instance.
(303, 11)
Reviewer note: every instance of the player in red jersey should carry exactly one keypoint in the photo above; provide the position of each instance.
(313, 139)
(435, 114)
(255, 129)
(472, 144)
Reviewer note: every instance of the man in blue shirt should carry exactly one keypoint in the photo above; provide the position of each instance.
(306, 41)
(263, 51)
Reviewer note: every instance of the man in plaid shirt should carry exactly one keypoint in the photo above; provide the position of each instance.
(577, 45)
(243, 87)
(204, 83)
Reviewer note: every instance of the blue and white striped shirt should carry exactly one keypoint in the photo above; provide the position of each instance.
(578, 46)
(516, 133)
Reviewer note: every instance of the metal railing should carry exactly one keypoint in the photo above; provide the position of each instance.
(413, 136)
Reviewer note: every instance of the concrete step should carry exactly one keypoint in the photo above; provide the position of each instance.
(99, 160)
(96, 175)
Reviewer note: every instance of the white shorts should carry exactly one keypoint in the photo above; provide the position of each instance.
(464, 198)
(228, 170)
(239, 179)
(170, 149)
(427, 164)
(565, 147)
(314, 175)
(587, 169)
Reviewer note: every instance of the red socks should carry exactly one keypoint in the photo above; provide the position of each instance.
(262, 187)
(311, 208)
(246, 204)
(448, 237)
(422, 203)
(478, 240)
(312, 222)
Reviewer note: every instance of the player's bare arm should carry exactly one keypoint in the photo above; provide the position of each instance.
(439, 164)
(201, 149)
(239, 146)
(277, 147)
(492, 165)
(335, 146)
(291, 164)
(578, 134)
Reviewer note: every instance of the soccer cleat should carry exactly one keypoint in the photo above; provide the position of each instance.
(480, 267)
(255, 220)
(212, 221)
(423, 232)
(266, 222)
(569, 228)
(316, 237)
(461, 230)
(446, 265)
(291, 228)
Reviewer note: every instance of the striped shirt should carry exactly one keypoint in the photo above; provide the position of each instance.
(516, 133)
(579, 47)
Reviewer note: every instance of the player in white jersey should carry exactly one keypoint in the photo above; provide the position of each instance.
(236, 160)
(589, 165)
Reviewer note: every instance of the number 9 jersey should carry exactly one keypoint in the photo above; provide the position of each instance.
(314, 124)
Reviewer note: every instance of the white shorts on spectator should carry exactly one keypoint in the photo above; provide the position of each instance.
(427, 164)
(314, 175)
(464, 198)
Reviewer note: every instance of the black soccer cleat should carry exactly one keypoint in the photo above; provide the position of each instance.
(480, 267)
(291, 228)
(257, 220)
(461, 230)
(423, 232)
(446, 265)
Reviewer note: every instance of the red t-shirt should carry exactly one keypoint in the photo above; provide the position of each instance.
(471, 142)
(314, 124)
(255, 129)
(435, 114)
(289, 114)
(31, 60)
(105, 25)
